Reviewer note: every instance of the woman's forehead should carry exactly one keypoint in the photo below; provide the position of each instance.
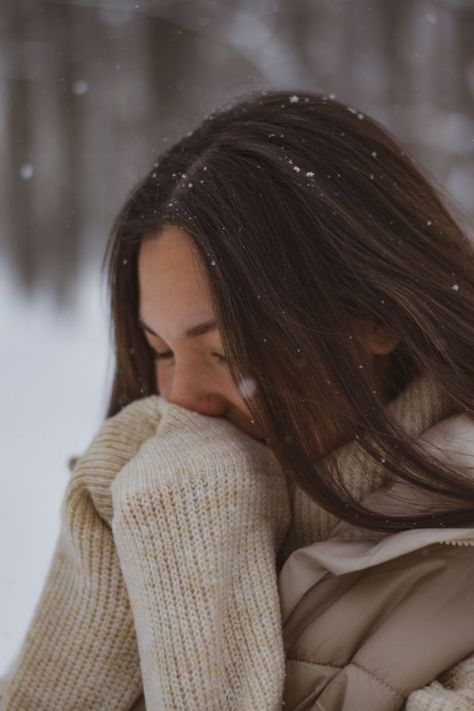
(173, 291)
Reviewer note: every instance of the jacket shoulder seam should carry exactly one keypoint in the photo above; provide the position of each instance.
(312, 663)
(380, 681)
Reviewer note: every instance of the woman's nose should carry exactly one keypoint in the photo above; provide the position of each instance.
(205, 403)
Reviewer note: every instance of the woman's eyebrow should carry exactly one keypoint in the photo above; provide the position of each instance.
(199, 330)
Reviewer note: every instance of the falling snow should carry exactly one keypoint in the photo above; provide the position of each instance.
(80, 87)
(26, 171)
(455, 287)
(294, 99)
(247, 387)
(310, 174)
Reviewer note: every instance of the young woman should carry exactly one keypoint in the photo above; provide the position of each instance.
(264, 516)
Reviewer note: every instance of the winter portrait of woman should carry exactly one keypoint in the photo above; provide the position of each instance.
(277, 511)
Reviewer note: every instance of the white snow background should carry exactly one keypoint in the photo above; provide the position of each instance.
(54, 376)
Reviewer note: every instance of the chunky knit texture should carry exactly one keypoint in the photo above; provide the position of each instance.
(164, 575)
(199, 515)
(182, 515)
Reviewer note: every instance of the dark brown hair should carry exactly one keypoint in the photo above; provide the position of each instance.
(306, 212)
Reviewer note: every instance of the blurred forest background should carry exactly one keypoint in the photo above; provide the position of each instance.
(91, 91)
(90, 94)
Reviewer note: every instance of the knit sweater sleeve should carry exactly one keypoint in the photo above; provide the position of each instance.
(452, 691)
(199, 514)
(80, 651)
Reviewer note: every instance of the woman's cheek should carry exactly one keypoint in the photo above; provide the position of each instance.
(160, 379)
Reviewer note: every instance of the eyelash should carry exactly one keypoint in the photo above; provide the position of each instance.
(168, 354)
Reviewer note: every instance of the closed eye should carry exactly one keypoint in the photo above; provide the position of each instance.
(157, 355)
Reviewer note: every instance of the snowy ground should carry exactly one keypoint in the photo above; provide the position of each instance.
(54, 375)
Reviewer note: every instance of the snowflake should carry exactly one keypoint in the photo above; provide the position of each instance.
(80, 87)
(294, 99)
(247, 387)
(26, 171)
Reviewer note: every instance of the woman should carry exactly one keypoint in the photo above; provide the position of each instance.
(293, 317)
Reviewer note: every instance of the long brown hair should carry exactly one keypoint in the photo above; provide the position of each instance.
(306, 212)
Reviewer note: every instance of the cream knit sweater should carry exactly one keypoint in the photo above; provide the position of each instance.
(164, 577)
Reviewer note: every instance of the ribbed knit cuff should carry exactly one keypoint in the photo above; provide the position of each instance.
(199, 514)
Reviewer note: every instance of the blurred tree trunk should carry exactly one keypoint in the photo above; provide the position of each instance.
(20, 221)
(94, 91)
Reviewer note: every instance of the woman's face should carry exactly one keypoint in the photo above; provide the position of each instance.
(174, 299)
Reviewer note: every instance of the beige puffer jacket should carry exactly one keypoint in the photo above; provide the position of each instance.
(369, 617)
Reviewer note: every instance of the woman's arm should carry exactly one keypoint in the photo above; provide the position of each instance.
(80, 651)
(199, 515)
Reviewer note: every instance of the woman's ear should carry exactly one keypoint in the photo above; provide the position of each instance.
(377, 337)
